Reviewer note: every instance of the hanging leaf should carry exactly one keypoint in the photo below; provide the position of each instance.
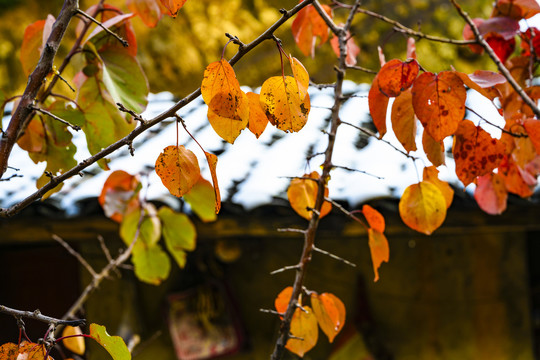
(532, 126)
(484, 82)
(75, 344)
(282, 104)
(178, 169)
(404, 121)
(491, 194)
(380, 251)
(431, 174)
(119, 189)
(212, 166)
(33, 139)
(302, 194)
(307, 26)
(201, 199)
(397, 76)
(301, 76)
(476, 153)
(422, 207)
(35, 37)
(151, 264)
(257, 118)
(468, 34)
(229, 128)
(502, 47)
(221, 91)
(439, 102)
(378, 106)
(114, 345)
(150, 227)
(282, 300)
(516, 180)
(411, 48)
(329, 312)
(303, 326)
(351, 48)
(179, 234)
(148, 10)
(434, 149)
(173, 6)
(9, 351)
(374, 218)
(32, 351)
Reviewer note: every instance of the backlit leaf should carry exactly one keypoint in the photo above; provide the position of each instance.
(397, 76)
(173, 6)
(201, 199)
(75, 344)
(517, 180)
(516, 9)
(378, 246)
(229, 128)
(484, 82)
(282, 104)
(114, 345)
(532, 126)
(491, 194)
(9, 351)
(282, 300)
(378, 106)
(35, 36)
(148, 10)
(212, 166)
(221, 90)
(119, 189)
(307, 26)
(257, 118)
(404, 121)
(32, 351)
(502, 47)
(151, 263)
(302, 194)
(434, 149)
(303, 326)
(422, 207)
(178, 169)
(374, 218)
(351, 48)
(33, 139)
(330, 313)
(118, 24)
(150, 229)
(300, 75)
(179, 234)
(439, 103)
(476, 153)
(431, 174)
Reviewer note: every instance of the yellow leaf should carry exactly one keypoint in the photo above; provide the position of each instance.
(281, 102)
(228, 128)
(300, 75)
(74, 344)
(304, 327)
(431, 174)
(378, 245)
(422, 207)
(178, 169)
(201, 199)
(302, 194)
(221, 90)
(330, 313)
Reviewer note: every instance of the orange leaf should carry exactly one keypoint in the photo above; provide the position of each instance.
(33, 139)
(212, 165)
(35, 36)
(173, 6)
(516, 9)
(439, 102)
(9, 351)
(422, 207)
(178, 169)
(229, 128)
(32, 351)
(257, 118)
(374, 218)
(476, 153)
(148, 10)
(532, 126)
(300, 75)
(431, 174)
(378, 246)
(517, 180)
(282, 104)
(282, 300)
(307, 25)
(75, 344)
(403, 120)
(378, 106)
(484, 82)
(221, 90)
(434, 149)
(330, 313)
(491, 194)
(303, 326)
(351, 48)
(119, 190)
(302, 194)
(397, 76)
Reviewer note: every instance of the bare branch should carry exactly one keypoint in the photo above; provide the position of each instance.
(36, 315)
(335, 257)
(285, 268)
(75, 254)
(107, 30)
(43, 111)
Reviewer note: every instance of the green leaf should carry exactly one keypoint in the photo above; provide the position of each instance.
(114, 345)
(201, 198)
(152, 265)
(150, 231)
(179, 233)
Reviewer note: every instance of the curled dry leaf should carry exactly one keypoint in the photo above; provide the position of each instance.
(330, 313)
(422, 207)
(380, 251)
(75, 344)
(302, 194)
(178, 169)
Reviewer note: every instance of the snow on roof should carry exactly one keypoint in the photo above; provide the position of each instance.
(251, 172)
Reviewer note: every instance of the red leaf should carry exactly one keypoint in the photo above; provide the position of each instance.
(148, 10)
(173, 6)
(491, 194)
(517, 180)
(378, 106)
(469, 35)
(532, 34)
(307, 26)
(397, 76)
(503, 48)
(282, 300)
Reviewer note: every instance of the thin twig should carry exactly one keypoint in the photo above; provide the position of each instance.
(285, 268)
(43, 111)
(104, 248)
(136, 116)
(75, 254)
(495, 125)
(360, 68)
(346, 212)
(301, 231)
(335, 257)
(11, 177)
(36, 315)
(107, 30)
(359, 171)
(269, 311)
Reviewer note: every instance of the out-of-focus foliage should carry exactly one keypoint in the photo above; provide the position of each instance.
(174, 53)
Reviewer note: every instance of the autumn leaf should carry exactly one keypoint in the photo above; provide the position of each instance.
(114, 345)
(330, 313)
(532, 126)
(201, 199)
(304, 327)
(212, 166)
(434, 149)
(35, 36)
(119, 189)
(491, 194)
(9, 351)
(422, 207)
(307, 26)
(150, 226)
(404, 121)
(151, 264)
(439, 102)
(502, 47)
(282, 300)
(118, 24)
(282, 104)
(221, 90)
(179, 234)
(378, 246)
(516, 9)
(301, 76)
(33, 139)
(431, 174)
(397, 76)
(378, 106)
(75, 344)
(411, 48)
(32, 351)
(476, 153)
(178, 169)
(257, 118)
(374, 218)
(484, 82)
(302, 194)
(351, 48)
(148, 10)
(229, 128)
(517, 180)
(173, 6)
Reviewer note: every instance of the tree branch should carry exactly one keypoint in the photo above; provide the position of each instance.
(36, 315)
